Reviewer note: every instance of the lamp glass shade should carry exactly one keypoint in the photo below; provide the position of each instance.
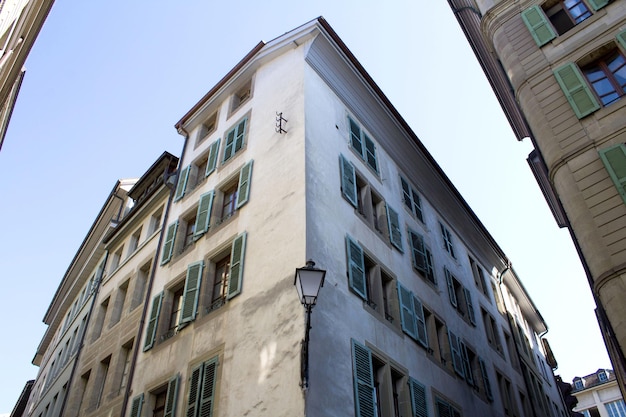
(308, 283)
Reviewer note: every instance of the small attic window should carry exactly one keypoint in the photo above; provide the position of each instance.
(206, 128)
(578, 384)
(242, 95)
(602, 376)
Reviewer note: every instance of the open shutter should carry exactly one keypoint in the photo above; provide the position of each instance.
(348, 181)
(195, 388)
(420, 322)
(614, 160)
(191, 292)
(455, 352)
(209, 379)
(182, 183)
(538, 24)
(450, 283)
(237, 254)
(203, 216)
(418, 398)
(576, 90)
(171, 396)
(356, 268)
(395, 236)
(153, 322)
(486, 383)
(243, 191)
(363, 373)
(212, 160)
(355, 137)
(598, 4)
(470, 306)
(168, 245)
(621, 38)
(467, 366)
(370, 153)
(135, 406)
(418, 251)
(407, 311)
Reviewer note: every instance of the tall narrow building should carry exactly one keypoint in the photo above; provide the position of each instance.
(558, 68)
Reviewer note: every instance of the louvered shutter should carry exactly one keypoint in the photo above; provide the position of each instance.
(598, 4)
(195, 388)
(420, 322)
(443, 408)
(135, 406)
(153, 321)
(614, 160)
(363, 373)
(470, 306)
(230, 145)
(407, 311)
(243, 190)
(203, 216)
(209, 379)
(538, 25)
(576, 90)
(348, 181)
(486, 383)
(182, 183)
(355, 137)
(450, 284)
(240, 135)
(171, 396)
(370, 153)
(395, 236)
(455, 352)
(418, 398)
(418, 251)
(406, 194)
(467, 366)
(356, 268)
(237, 254)
(212, 160)
(168, 245)
(191, 292)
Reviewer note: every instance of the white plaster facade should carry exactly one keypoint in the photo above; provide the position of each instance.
(597, 396)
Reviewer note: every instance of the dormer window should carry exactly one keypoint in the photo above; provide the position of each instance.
(578, 384)
(602, 376)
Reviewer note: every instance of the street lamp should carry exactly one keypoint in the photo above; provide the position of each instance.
(308, 281)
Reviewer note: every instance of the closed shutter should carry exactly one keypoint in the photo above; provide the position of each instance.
(171, 396)
(406, 194)
(240, 134)
(455, 352)
(182, 183)
(355, 137)
(207, 396)
(576, 90)
(203, 216)
(418, 398)
(168, 245)
(363, 374)
(356, 268)
(598, 4)
(418, 251)
(621, 38)
(243, 190)
(395, 236)
(153, 321)
(191, 292)
(467, 366)
(538, 24)
(407, 311)
(486, 383)
(422, 334)
(195, 388)
(614, 160)
(470, 306)
(370, 153)
(212, 160)
(237, 254)
(450, 283)
(443, 408)
(135, 406)
(230, 145)
(348, 181)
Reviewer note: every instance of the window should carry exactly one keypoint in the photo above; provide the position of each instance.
(363, 145)
(445, 408)
(220, 283)
(479, 278)
(233, 195)
(202, 385)
(616, 408)
(578, 384)
(125, 358)
(491, 331)
(102, 379)
(188, 224)
(115, 259)
(591, 412)
(422, 257)
(162, 400)
(102, 312)
(511, 350)
(460, 297)
(174, 316)
(499, 301)
(235, 139)
(565, 14)
(134, 242)
(506, 393)
(140, 285)
(206, 128)
(412, 316)
(602, 376)
(485, 380)
(455, 354)
(437, 338)
(607, 76)
(411, 199)
(447, 240)
(241, 96)
(118, 306)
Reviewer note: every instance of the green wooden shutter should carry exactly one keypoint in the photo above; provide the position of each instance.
(237, 254)
(538, 25)
(455, 352)
(430, 268)
(212, 160)
(363, 373)
(407, 311)
(348, 181)
(243, 190)
(614, 160)
(209, 381)
(486, 383)
(417, 205)
(450, 283)
(182, 183)
(195, 388)
(576, 90)
(356, 268)
(621, 38)
(355, 137)
(153, 321)
(171, 396)
(406, 194)
(598, 4)
(240, 134)
(191, 292)
(418, 398)
(203, 216)
(230, 145)
(370, 153)
(467, 366)
(420, 322)
(168, 245)
(135, 406)
(418, 251)
(393, 220)
(470, 306)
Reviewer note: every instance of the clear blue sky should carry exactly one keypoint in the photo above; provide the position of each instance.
(107, 81)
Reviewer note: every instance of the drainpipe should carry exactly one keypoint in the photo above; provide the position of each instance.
(144, 312)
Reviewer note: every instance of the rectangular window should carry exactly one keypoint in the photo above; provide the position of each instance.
(607, 76)
(242, 95)
(422, 257)
(507, 395)
(460, 297)
(233, 195)
(235, 139)
(447, 240)
(576, 90)
(412, 315)
(155, 221)
(565, 14)
(381, 291)
(220, 283)
(206, 128)
(491, 331)
(225, 274)
(479, 278)
(102, 379)
(134, 242)
(100, 318)
(188, 224)
(411, 199)
(163, 399)
(202, 386)
(616, 408)
(363, 145)
(125, 358)
(118, 306)
(115, 259)
(445, 408)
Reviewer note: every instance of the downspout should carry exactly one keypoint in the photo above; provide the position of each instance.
(144, 311)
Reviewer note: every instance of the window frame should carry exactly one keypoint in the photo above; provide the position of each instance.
(238, 141)
(366, 146)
